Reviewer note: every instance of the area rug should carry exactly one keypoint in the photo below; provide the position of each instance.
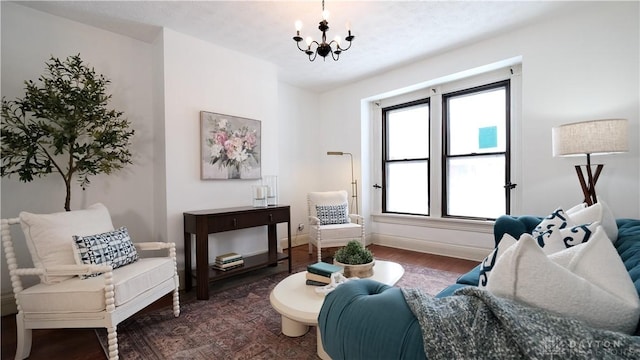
(237, 322)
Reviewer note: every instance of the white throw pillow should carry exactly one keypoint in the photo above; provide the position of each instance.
(490, 261)
(597, 212)
(49, 237)
(588, 282)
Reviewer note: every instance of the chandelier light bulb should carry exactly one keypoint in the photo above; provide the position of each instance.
(348, 25)
(309, 40)
(325, 14)
(337, 40)
(298, 25)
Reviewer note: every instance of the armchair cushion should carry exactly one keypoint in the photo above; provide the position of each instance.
(49, 237)
(325, 198)
(80, 296)
(340, 231)
(111, 248)
(332, 214)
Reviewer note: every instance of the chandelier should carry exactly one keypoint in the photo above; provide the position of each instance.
(323, 48)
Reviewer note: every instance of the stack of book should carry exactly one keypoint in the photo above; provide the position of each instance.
(319, 274)
(228, 261)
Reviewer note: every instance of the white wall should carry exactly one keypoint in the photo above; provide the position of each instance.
(29, 38)
(580, 66)
(199, 76)
(298, 114)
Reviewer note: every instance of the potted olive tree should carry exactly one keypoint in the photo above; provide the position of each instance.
(355, 259)
(63, 125)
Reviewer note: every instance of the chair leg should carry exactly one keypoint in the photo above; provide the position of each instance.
(176, 302)
(112, 335)
(319, 252)
(310, 248)
(23, 338)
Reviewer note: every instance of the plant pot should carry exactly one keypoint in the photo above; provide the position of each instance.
(360, 271)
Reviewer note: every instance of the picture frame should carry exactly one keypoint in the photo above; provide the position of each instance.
(230, 147)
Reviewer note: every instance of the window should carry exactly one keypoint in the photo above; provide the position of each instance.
(406, 158)
(445, 151)
(475, 153)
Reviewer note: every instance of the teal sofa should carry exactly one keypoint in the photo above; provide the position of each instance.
(364, 319)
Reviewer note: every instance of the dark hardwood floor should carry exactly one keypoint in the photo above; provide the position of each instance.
(80, 344)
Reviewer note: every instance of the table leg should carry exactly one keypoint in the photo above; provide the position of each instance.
(188, 278)
(293, 328)
(319, 347)
(202, 260)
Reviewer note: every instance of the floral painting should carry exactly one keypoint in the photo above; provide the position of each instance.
(230, 147)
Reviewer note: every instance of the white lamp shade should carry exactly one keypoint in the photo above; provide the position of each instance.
(591, 137)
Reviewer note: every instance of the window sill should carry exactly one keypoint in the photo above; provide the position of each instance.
(479, 226)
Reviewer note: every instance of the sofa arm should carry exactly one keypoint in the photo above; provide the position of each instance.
(365, 319)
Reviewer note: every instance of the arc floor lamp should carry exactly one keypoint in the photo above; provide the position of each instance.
(354, 182)
(606, 136)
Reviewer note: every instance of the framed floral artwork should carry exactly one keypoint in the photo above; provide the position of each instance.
(230, 147)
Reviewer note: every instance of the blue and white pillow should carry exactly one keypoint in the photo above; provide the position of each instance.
(111, 248)
(558, 232)
(332, 214)
(490, 261)
(553, 223)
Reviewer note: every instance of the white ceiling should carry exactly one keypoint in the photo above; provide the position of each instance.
(388, 33)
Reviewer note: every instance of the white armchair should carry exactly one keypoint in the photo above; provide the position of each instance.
(81, 288)
(330, 223)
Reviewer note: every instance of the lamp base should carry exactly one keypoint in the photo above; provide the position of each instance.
(588, 185)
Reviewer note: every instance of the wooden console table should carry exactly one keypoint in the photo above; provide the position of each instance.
(205, 222)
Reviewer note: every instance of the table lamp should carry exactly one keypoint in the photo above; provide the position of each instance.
(592, 137)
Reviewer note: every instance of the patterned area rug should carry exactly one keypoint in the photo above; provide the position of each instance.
(237, 322)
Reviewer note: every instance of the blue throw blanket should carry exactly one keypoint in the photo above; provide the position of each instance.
(474, 324)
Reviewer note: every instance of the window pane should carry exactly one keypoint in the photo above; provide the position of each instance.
(477, 122)
(476, 186)
(408, 133)
(406, 187)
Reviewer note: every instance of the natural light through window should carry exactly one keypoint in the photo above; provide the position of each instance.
(475, 161)
(407, 159)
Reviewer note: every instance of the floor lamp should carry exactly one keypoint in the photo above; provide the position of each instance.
(354, 183)
(589, 138)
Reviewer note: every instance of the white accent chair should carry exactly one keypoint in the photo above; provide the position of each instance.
(331, 235)
(63, 299)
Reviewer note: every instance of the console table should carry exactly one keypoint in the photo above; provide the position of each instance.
(205, 222)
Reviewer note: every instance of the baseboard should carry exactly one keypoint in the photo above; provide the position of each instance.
(431, 247)
(8, 304)
(303, 239)
(297, 240)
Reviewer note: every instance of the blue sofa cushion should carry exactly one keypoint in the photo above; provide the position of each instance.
(471, 277)
(628, 246)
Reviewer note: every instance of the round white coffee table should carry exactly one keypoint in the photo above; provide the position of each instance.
(299, 304)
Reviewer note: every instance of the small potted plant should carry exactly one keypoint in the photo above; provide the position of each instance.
(355, 259)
